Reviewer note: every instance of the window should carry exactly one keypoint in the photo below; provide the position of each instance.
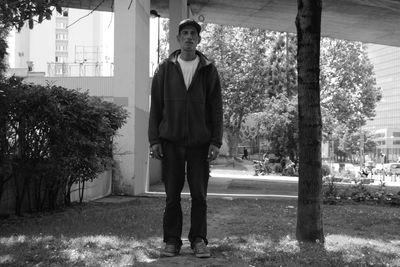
(61, 59)
(380, 143)
(396, 134)
(396, 142)
(61, 48)
(61, 36)
(61, 25)
(59, 70)
(379, 135)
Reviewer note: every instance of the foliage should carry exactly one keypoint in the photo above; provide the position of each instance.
(278, 125)
(258, 72)
(16, 13)
(325, 170)
(348, 93)
(282, 78)
(164, 39)
(329, 191)
(53, 138)
(240, 55)
(357, 191)
(3, 49)
(348, 143)
(278, 122)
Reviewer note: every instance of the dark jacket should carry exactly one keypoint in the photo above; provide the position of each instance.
(189, 117)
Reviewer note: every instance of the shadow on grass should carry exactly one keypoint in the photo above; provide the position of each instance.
(242, 232)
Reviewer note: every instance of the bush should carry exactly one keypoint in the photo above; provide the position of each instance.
(53, 137)
(329, 191)
(325, 170)
(277, 168)
(334, 193)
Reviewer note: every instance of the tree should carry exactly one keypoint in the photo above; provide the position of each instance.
(52, 138)
(14, 14)
(279, 120)
(282, 61)
(240, 55)
(3, 49)
(278, 125)
(309, 214)
(348, 91)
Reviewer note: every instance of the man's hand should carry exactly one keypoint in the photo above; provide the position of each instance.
(156, 151)
(213, 152)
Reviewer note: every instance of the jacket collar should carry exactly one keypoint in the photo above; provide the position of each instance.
(204, 61)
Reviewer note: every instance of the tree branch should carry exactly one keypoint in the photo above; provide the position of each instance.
(76, 21)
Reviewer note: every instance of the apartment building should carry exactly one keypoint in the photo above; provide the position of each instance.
(72, 43)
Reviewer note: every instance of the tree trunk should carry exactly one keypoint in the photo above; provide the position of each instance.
(81, 190)
(309, 213)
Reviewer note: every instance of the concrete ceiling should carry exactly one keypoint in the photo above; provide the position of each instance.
(369, 21)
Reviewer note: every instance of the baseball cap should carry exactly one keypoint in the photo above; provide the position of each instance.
(189, 22)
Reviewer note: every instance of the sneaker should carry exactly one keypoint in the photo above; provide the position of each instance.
(171, 250)
(201, 250)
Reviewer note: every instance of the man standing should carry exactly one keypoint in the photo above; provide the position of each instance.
(185, 133)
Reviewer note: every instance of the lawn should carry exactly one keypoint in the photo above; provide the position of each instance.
(242, 232)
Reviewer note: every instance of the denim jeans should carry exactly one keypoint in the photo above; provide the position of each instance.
(175, 159)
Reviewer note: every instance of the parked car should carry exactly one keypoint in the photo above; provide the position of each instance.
(392, 168)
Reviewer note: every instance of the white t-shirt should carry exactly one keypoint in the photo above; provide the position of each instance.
(188, 69)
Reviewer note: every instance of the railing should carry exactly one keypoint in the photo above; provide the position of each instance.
(83, 69)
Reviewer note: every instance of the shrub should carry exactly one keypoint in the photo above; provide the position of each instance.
(277, 168)
(325, 170)
(329, 191)
(53, 138)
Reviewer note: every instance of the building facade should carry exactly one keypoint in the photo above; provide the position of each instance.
(70, 44)
(386, 124)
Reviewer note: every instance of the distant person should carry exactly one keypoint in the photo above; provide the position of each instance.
(185, 133)
(245, 154)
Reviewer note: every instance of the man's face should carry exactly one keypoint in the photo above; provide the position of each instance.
(188, 38)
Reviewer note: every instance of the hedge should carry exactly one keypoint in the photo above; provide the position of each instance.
(52, 137)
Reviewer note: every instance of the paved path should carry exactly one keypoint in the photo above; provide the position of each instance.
(241, 183)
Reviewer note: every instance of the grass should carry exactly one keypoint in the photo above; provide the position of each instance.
(242, 232)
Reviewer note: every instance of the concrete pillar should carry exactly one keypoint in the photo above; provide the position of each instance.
(131, 89)
(177, 11)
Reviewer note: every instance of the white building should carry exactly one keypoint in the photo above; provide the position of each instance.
(70, 44)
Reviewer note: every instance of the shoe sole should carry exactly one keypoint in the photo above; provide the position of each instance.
(168, 254)
(203, 255)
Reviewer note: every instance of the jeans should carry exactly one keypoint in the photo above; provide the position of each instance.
(173, 175)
